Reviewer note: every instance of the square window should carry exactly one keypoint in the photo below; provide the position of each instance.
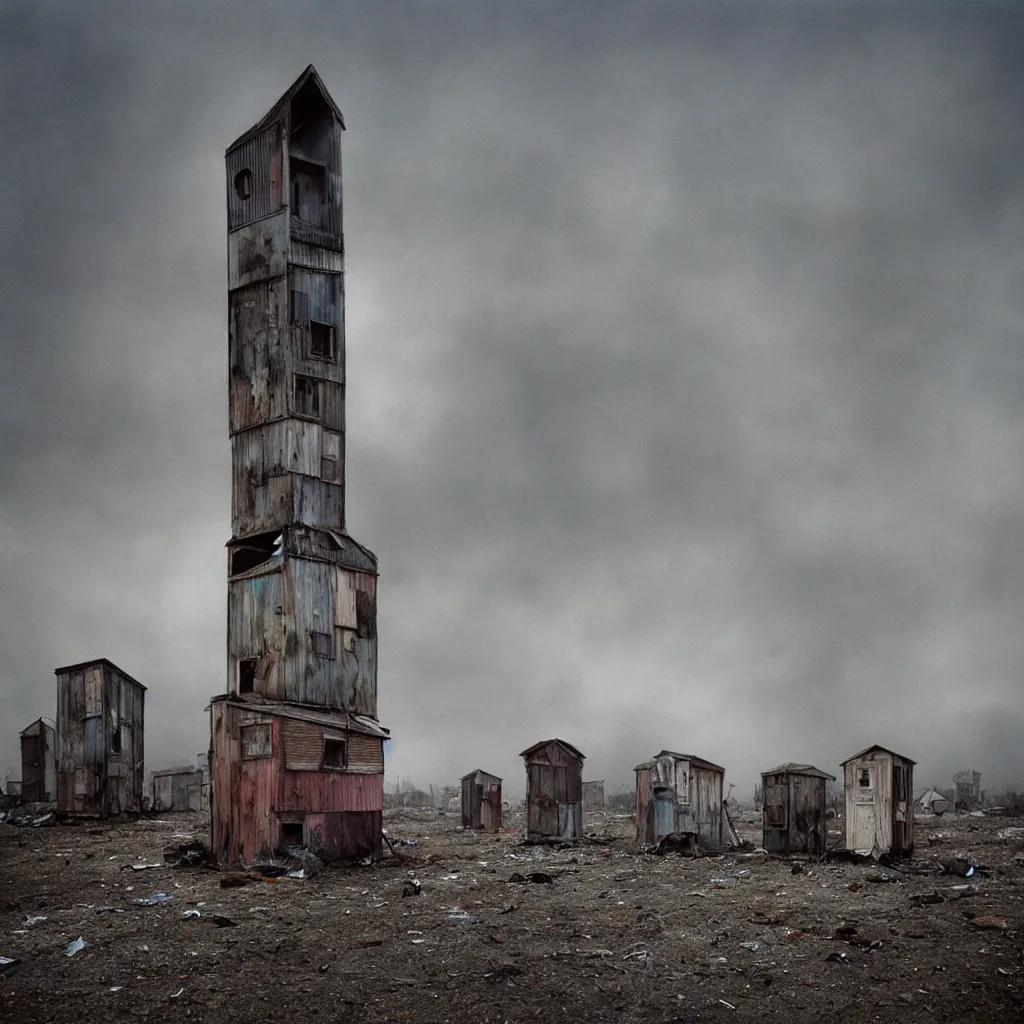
(335, 753)
(255, 740)
(307, 396)
(864, 780)
(321, 340)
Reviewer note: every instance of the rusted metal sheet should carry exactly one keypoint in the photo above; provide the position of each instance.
(267, 793)
(39, 762)
(878, 784)
(100, 716)
(254, 178)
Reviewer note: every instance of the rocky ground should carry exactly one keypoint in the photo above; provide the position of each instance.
(603, 934)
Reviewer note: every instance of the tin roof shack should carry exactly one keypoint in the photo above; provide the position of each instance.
(178, 789)
(932, 801)
(100, 740)
(879, 811)
(593, 795)
(967, 792)
(302, 594)
(680, 793)
(285, 775)
(39, 762)
(794, 810)
(554, 791)
(481, 801)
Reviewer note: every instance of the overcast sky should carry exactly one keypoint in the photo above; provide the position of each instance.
(685, 391)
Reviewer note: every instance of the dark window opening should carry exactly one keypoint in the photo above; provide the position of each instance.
(321, 340)
(309, 191)
(247, 675)
(254, 551)
(307, 396)
(865, 778)
(335, 753)
(321, 645)
(300, 308)
(115, 742)
(243, 184)
(291, 833)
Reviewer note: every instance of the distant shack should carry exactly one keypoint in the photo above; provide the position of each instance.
(554, 791)
(481, 801)
(100, 711)
(593, 795)
(680, 794)
(878, 784)
(39, 762)
(794, 812)
(178, 789)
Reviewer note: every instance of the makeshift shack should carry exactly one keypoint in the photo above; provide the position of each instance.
(795, 802)
(967, 794)
(682, 794)
(933, 801)
(178, 789)
(100, 737)
(879, 815)
(481, 801)
(554, 791)
(39, 762)
(593, 795)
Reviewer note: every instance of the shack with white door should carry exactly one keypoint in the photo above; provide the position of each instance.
(879, 811)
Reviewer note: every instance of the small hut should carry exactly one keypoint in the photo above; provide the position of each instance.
(794, 808)
(554, 791)
(593, 795)
(39, 762)
(879, 811)
(932, 801)
(178, 789)
(100, 711)
(679, 793)
(967, 794)
(481, 801)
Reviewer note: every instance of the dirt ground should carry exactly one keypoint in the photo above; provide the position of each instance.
(615, 936)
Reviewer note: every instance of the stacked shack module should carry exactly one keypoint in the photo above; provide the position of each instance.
(296, 751)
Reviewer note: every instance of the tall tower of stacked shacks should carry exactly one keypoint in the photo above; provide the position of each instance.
(296, 751)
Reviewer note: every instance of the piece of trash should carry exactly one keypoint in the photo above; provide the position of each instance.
(412, 888)
(155, 900)
(496, 938)
(724, 1003)
(301, 873)
(32, 921)
(721, 883)
(795, 933)
(223, 922)
(459, 915)
(508, 910)
(75, 947)
(143, 949)
(413, 931)
(418, 942)
(8, 961)
(796, 869)
(837, 958)
(539, 877)
(989, 923)
(175, 995)
(115, 988)
(637, 954)
(752, 946)
(408, 842)
(142, 867)
(191, 913)
(450, 878)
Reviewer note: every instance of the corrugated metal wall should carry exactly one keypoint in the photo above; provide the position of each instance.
(261, 157)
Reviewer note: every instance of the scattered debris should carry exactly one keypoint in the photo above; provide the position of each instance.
(191, 913)
(540, 877)
(986, 922)
(8, 961)
(75, 947)
(155, 900)
(223, 922)
(412, 888)
(192, 854)
(31, 922)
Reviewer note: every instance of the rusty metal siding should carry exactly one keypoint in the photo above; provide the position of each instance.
(315, 257)
(258, 251)
(261, 157)
(257, 358)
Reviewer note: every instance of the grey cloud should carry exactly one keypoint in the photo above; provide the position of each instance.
(684, 395)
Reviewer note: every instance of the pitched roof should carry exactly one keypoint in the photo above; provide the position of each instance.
(275, 112)
(872, 749)
(692, 758)
(479, 771)
(319, 716)
(792, 768)
(98, 661)
(562, 743)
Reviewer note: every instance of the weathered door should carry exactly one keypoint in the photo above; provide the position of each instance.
(179, 792)
(569, 824)
(542, 809)
(664, 813)
(32, 768)
(864, 824)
